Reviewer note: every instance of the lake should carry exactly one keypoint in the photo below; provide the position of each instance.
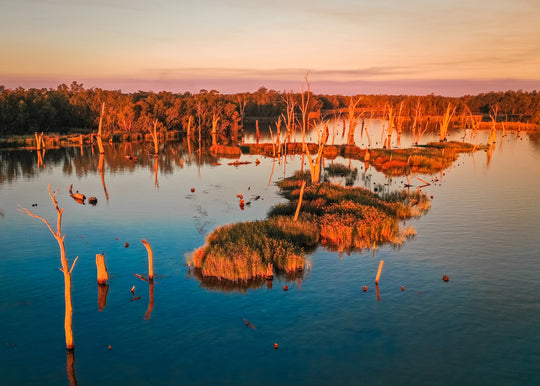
(481, 327)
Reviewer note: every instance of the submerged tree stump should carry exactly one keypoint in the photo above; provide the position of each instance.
(102, 273)
(150, 260)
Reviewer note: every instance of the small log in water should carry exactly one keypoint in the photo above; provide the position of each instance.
(102, 273)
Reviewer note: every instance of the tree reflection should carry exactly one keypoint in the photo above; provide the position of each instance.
(119, 157)
(70, 364)
(103, 290)
(100, 168)
(148, 313)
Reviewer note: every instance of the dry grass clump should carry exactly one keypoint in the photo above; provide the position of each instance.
(243, 251)
(352, 217)
(461, 147)
(428, 159)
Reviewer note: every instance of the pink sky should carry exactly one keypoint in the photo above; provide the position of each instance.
(348, 47)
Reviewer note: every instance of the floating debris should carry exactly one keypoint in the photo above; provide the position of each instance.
(238, 163)
(248, 324)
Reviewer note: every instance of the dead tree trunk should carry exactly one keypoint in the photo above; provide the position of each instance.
(99, 140)
(155, 138)
(150, 260)
(353, 119)
(215, 120)
(65, 268)
(102, 273)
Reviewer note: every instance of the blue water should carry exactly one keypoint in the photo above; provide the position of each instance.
(479, 328)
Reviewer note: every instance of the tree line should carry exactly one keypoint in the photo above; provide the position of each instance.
(74, 108)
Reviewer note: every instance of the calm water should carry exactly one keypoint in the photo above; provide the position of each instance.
(479, 328)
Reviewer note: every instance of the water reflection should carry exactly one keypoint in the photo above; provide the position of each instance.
(103, 290)
(100, 169)
(221, 285)
(70, 364)
(127, 156)
(148, 313)
(117, 158)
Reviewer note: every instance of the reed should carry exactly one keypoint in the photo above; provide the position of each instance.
(243, 251)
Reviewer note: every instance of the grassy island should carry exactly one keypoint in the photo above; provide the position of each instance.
(341, 218)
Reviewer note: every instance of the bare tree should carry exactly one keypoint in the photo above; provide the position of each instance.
(65, 268)
(445, 123)
(289, 117)
(315, 165)
(353, 118)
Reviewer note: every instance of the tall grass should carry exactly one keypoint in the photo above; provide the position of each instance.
(342, 218)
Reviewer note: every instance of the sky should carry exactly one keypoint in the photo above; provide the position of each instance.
(451, 47)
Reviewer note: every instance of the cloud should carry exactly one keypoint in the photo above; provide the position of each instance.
(280, 73)
(447, 87)
(116, 5)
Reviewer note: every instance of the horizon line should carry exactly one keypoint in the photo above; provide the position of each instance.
(442, 87)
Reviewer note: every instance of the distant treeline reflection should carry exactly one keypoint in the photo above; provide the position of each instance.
(81, 161)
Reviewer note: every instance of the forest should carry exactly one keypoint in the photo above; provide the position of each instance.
(75, 109)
